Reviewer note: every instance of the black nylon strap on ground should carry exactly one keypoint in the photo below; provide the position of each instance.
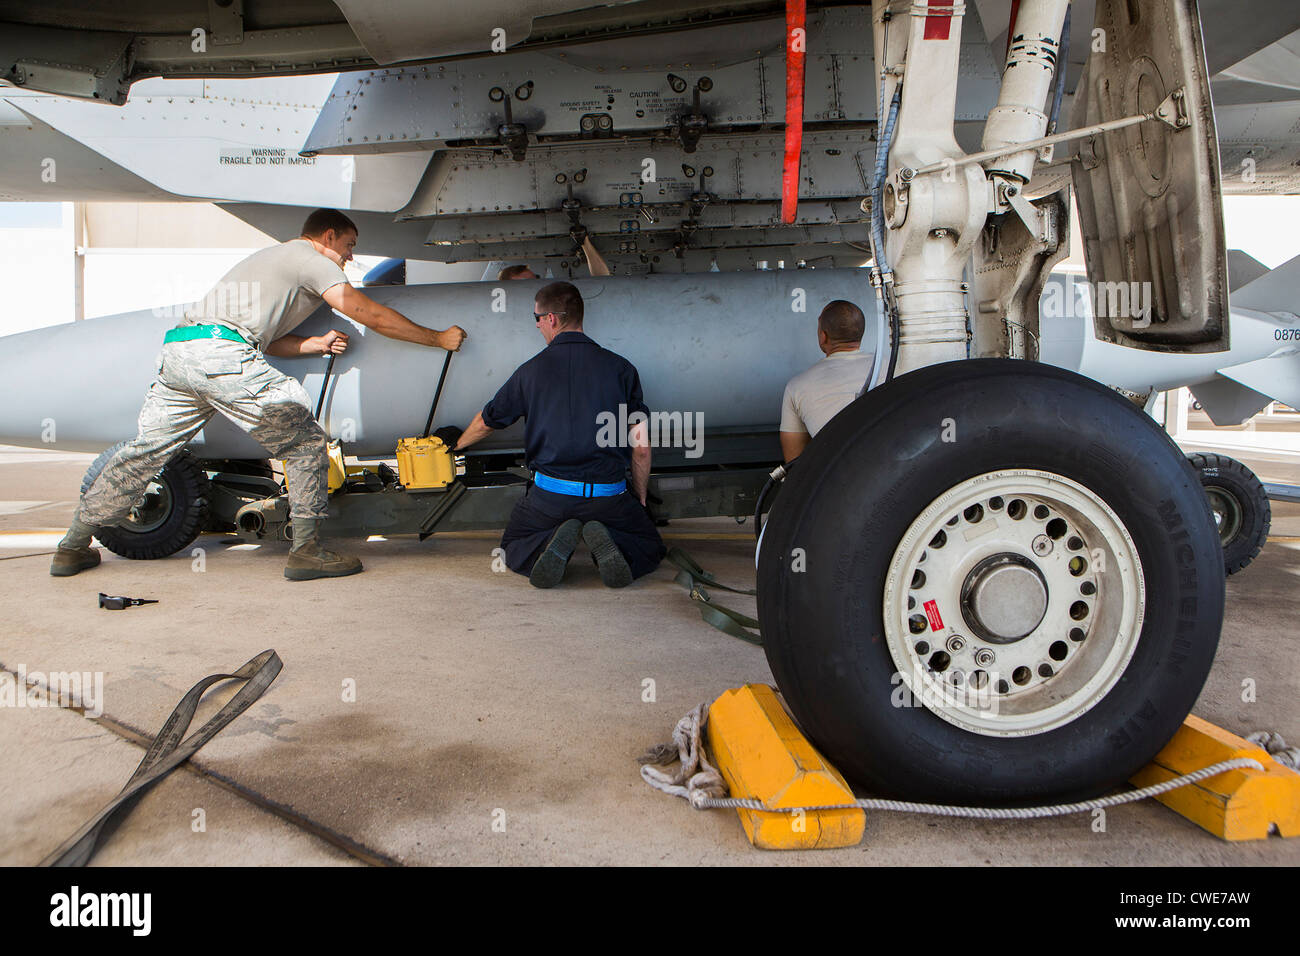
(168, 751)
(692, 577)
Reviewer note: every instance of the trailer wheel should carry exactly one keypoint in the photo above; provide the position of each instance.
(168, 517)
(990, 581)
(1240, 507)
(220, 504)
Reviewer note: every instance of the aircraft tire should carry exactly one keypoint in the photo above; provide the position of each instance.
(1240, 507)
(169, 517)
(1013, 485)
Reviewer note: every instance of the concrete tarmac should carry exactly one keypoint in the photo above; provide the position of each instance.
(433, 711)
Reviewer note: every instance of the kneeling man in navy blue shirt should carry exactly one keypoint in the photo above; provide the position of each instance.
(582, 487)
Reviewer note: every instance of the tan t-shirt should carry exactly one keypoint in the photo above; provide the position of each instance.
(817, 395)
(269, 294)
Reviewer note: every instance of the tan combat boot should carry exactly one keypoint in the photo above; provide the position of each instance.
(75, 553)
(70, 561)
(308, 560)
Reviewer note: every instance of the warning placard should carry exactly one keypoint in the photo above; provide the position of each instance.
(932, 614)
(263, 156)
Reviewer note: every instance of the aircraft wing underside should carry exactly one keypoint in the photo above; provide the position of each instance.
(656, 128)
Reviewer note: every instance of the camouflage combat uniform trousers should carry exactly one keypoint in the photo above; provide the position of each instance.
(196, 379)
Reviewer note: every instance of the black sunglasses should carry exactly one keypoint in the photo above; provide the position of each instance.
(538, 316)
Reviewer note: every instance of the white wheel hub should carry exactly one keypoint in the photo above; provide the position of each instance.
(1013, 603)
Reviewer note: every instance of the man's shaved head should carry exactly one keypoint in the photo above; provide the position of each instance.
(843, 323)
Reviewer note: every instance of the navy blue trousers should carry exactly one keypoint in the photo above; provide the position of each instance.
(537, 515)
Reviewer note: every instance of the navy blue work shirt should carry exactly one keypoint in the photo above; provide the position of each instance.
(565, 393)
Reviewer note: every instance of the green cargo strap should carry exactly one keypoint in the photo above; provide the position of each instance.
(690, 567)
(692, 577)
(189, 333)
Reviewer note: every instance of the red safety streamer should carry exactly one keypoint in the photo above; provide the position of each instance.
(796, 41)
(938, 26)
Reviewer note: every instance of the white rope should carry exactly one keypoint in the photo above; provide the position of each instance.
(694, 775)
(1276, 748)
(704, 802)
(699, 783)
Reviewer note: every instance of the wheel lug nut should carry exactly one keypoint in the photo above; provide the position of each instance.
(956, 643)
(984, 657)
(1042, 546)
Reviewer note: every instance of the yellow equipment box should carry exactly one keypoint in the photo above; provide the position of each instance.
(337, 472)
(424, 463)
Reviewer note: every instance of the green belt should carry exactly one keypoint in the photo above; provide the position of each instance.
(189, 333)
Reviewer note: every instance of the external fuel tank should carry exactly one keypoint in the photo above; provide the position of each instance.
(718, 347)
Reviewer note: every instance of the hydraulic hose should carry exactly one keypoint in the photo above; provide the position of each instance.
(878, 225)
(1062, 56)
(878, 185)
(775, 478)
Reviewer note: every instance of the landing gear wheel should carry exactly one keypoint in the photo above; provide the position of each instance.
(169, 516)
(1240, 507)
(990, 582)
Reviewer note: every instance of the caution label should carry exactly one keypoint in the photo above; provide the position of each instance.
(932, 613)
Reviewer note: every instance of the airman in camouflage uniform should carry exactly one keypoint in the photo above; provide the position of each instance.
(196, 379)
(214, 363)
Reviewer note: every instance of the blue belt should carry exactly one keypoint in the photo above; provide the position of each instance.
(579, 489)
